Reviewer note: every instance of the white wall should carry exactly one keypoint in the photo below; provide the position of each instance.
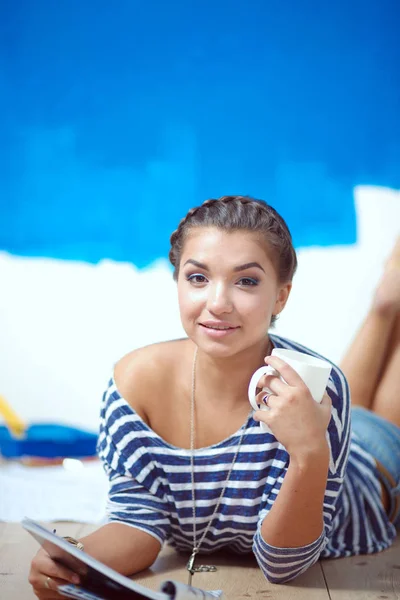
(64, 324)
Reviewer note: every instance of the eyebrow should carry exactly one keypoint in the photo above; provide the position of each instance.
(236, 269)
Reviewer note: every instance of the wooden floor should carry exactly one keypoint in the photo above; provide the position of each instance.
(356, 578)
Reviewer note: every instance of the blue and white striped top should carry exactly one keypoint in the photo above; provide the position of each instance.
(150, 486)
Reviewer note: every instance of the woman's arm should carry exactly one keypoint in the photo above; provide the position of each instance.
(129, 543)
(296, 517)
(124, 548)
(139, 517)
(293, 531)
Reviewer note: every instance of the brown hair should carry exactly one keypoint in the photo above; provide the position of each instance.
(233, 213)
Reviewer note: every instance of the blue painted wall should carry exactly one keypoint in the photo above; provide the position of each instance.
(116, 118)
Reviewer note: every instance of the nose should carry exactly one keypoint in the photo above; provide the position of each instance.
(219, 300)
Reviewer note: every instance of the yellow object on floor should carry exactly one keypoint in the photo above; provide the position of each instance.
(16, 426)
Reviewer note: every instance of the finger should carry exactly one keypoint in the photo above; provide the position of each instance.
(263, 416)
(54, 570)
(54, 582)
(47, 588)
(286, 371)
(46, 594)
(43, 566)
(276, 385)
(265, 379)
(267, 399)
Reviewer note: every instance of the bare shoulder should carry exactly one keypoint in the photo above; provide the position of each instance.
(149, 372)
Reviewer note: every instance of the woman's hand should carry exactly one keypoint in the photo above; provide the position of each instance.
(46, 575)
(296, 420)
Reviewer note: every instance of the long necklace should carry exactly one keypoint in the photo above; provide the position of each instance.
(197, 545)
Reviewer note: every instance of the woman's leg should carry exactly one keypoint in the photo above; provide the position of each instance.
(367, 361)
(372, 366)
(364, 361)
(386, 402)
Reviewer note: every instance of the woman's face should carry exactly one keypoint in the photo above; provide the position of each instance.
(228, 290)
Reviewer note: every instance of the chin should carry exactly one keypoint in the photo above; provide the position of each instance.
(218, 350)
(221, 348)
(226, 346)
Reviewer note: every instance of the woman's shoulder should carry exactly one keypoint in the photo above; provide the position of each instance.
(148, 371)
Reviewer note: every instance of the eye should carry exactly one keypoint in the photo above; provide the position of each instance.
(196, 278)
(248, 281)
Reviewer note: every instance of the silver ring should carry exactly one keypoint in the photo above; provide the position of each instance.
(265, 398)
(47, 583)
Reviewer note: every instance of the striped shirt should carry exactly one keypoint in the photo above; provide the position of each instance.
(151, 488)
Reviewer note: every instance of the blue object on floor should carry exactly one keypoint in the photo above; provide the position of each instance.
(48, 440)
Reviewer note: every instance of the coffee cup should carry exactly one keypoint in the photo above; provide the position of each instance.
(312, 370)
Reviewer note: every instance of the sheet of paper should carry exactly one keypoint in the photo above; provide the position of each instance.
(76, 492)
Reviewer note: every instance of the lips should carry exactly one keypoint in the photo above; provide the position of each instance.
(218, 325)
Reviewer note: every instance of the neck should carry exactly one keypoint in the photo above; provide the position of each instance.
(228, 378)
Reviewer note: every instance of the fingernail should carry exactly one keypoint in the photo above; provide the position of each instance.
(75, 579)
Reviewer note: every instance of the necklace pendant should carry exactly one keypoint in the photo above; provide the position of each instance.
(200, 569)
(190, 564)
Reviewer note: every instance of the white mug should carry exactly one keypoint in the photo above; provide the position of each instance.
(313, 371)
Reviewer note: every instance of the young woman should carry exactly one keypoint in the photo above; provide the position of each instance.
(187, 461)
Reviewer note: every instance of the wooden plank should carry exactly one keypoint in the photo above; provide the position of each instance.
(372, 577)
(238, 576)
(17, 548)
(365, 577)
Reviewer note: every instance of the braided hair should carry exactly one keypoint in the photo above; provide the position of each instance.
(233, 213)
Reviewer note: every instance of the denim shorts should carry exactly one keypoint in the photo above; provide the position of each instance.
(382, 439)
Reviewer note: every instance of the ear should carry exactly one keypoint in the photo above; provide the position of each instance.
(282, 297)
